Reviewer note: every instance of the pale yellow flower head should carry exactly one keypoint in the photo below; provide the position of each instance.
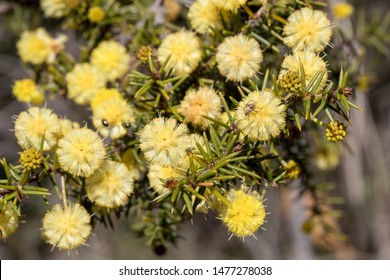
(245, 213)
(103, 95)
(172, 9)
(164, 141)
(34, 125)
(9, 220)
(239, 57)
(57, 8)
(198, 103)
(96, 14)
(342, 10)
(83, 82)
(66, 228)
(81, 152)
(158, 176)
(113, 117)
(307, 29)
(38, 46)
(111, 58)
(229, 5)
(184, 48)
(110, 186)
(204, 16)
(312, 64)
(27, 91)
(261, 115)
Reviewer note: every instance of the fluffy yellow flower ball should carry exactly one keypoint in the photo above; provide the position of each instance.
(204, 16)
(111, 58)
(245, 213)
(342, 10)
(239, 57)
(27, 91)
(35, 125)
(184, 49)
(9, 220)
(229, 5)
(261, 115)
(66, 228)
(38, 47)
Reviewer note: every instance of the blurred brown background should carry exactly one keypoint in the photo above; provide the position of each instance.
(362, 179)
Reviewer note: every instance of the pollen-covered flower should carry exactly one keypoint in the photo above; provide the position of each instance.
(312, 64)
(83, 82)
(27, 91)
(81, 152)
(96, 14)
(184, 49)
(307, 29)
(113, 117)
(245, 213)
(9, 220)
(342, 10)
(164, 141)
(229, 5)
(239, 57)
(204, 16)
(159, 176)
(34, 125)
(57, 8)
(261, 115)
(66, 228)
(198, 103)
(31, 159)
(38, 46)
(111, 58)
(110, 186)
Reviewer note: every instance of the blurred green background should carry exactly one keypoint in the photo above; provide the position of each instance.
(362, 179)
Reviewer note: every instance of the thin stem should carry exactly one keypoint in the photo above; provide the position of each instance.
(63, 190)
(248, 11)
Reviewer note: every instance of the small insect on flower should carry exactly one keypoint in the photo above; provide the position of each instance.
(249, 107)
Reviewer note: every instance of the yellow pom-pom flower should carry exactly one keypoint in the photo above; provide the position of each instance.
(245, 213)
(38, 47)
(312, 64)
(293, 169)
(103, 95)
(83, 82)
(57, 8)
(204, 16)
(27, 91)
(66, 228)
(307, 29)
(184, 49)
(164, 141)
(229, 5)
(31, 159)
(111, 58)
(35, 125)
(110, 186)
(96, 14)
(113, 117)
(261, 115)
(159, 175)
(81, 152)
(9, 220)
(239, 57)
(198, 103)
(342, 10)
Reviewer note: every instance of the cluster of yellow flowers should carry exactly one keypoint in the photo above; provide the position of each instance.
(193, 121)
